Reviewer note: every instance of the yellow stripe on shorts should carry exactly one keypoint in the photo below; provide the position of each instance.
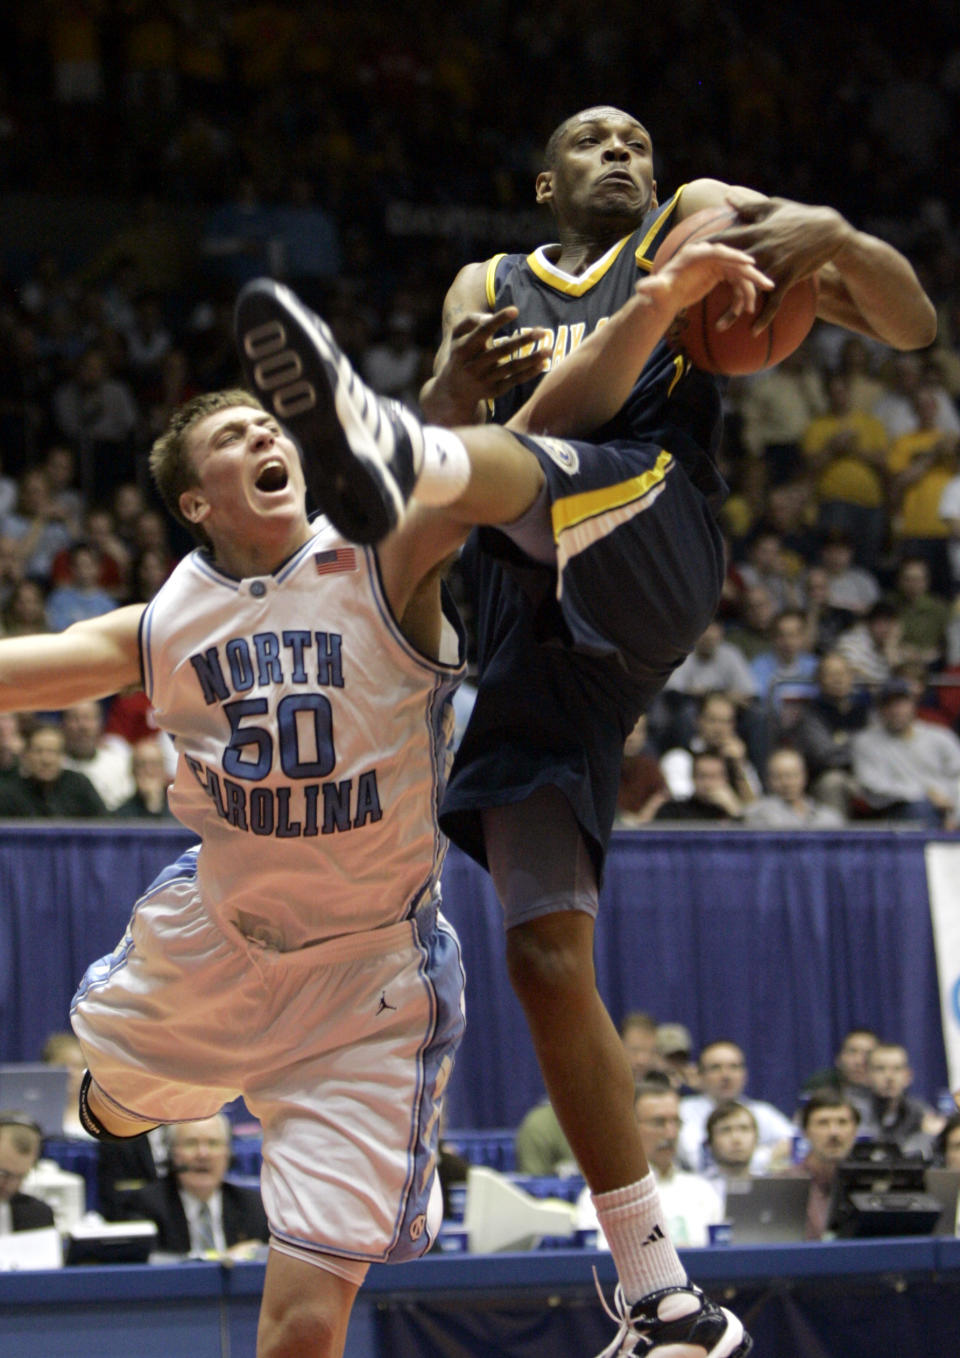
(579, 521)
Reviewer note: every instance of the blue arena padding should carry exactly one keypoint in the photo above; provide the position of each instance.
(490, 1146)
(780, 942)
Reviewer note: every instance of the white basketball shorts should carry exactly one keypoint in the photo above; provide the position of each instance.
(341, 1049)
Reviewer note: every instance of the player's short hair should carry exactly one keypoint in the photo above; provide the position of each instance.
(552, 148)
(171, 466)
(552, 151)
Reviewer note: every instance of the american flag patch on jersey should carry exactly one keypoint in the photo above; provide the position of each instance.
(338, 559)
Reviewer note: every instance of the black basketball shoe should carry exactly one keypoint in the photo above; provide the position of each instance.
(680, 1320)
(361, 453)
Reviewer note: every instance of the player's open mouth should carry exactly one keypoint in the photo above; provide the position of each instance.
(272, 476)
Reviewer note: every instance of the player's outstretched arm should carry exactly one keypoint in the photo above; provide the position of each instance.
(471, 366)
(91, 659)
(591, 384)
(865, 284)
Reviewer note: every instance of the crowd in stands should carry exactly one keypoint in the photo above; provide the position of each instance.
(704, 1135)
(814, 714)
(229, 139)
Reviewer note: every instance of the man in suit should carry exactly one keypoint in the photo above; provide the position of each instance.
(20, 1142)
(195, 1210)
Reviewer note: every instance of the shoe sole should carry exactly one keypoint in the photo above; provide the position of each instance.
(291, 362)
(718, 1350)
(742, 1349)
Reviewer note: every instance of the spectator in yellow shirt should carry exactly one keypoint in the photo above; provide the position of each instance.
(920, 466)
(846, 451)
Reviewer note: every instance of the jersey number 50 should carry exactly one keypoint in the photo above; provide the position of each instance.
(290, 729)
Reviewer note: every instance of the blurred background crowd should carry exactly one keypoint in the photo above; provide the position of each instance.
(154, 154)
(707, 1131)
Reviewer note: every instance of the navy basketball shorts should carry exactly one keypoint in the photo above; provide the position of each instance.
(639, 573)
(639, 553)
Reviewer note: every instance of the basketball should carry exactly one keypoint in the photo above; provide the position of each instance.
(735, 351)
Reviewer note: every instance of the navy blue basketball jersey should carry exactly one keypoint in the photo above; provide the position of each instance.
(569, 655)
(672, 403)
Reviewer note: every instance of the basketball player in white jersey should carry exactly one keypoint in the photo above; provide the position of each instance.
(297, 955)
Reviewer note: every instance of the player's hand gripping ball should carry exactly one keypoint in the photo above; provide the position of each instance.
(735, 351)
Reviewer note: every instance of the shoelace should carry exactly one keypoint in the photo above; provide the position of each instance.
(620, 1311)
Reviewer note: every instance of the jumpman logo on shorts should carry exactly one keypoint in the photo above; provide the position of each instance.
(383, 1003)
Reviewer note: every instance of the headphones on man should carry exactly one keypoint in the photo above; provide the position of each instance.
(13, 1117)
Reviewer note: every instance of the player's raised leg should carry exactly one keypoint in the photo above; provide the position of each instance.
(364, 454)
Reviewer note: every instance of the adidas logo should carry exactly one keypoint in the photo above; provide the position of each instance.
(655, 1235)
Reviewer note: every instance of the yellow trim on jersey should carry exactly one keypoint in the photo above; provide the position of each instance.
(659, 224)
(566, 513)
(490, 282)
(567, 284)
(680, 366)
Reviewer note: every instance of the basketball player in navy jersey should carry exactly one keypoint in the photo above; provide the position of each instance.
(297, 954)
(635, 558)
(589, 599)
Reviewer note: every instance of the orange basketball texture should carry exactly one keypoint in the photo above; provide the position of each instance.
(735, 351)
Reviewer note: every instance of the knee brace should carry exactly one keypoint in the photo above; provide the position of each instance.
(89, 1121)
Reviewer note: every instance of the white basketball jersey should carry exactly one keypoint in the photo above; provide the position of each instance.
(313, 741)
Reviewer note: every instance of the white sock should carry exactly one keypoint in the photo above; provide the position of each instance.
(533, 531)
(632, 1220)
(446, 467)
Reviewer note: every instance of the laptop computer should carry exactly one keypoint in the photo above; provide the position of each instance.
(110, 1242)
(765, 1211)
(38, 1090)
(944, 1185)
